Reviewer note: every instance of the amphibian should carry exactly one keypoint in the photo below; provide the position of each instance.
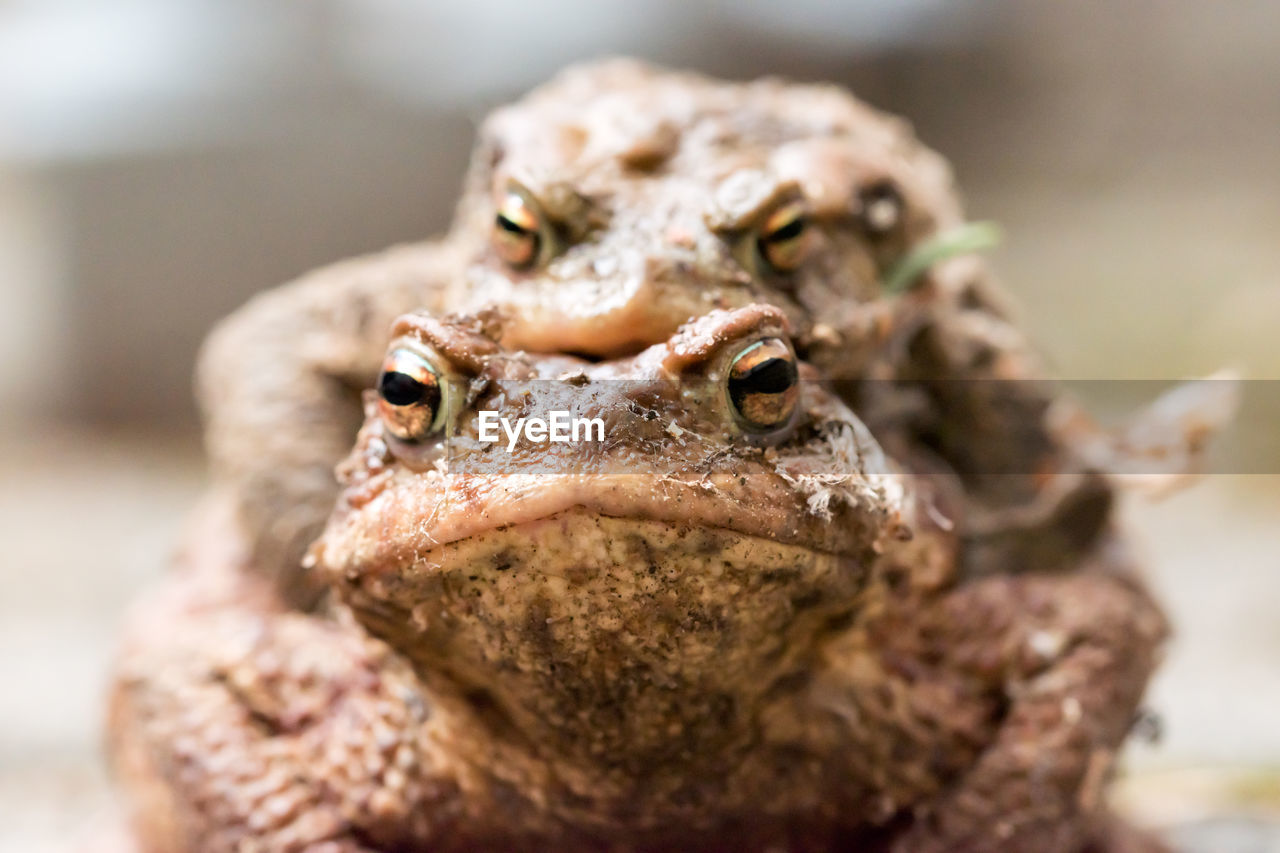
(729, 623)
(617, 202)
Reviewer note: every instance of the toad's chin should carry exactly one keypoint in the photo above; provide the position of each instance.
(624, 628)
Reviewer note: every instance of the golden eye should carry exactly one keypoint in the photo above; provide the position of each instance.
(517, 231)
(784, 238)
(411, 395)
(764, 385)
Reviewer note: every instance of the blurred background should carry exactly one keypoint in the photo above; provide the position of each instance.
(162, 160)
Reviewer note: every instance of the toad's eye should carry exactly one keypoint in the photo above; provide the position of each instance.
(764, 385)
(517, 231)
(410, 395)
(783, 240)
(881, 208)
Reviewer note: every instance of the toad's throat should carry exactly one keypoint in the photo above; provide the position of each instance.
(607, 637)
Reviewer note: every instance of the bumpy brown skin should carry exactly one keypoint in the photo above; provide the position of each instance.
(654, 185)
(678, 638)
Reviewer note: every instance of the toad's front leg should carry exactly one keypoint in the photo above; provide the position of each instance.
(1073, 653)
(272, 731)
(279, 383)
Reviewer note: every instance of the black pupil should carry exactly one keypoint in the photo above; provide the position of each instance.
(507, 225)
(401, 389)
(768, 377)
(786, 232)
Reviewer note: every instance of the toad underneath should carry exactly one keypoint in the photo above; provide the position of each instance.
(730, 624)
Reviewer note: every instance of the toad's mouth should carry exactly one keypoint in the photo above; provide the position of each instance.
(406, 526)
(615, 315)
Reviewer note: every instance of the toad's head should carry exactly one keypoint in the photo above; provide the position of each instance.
(635, 591)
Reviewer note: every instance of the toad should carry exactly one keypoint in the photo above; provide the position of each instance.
(612, 205)
(721, 620)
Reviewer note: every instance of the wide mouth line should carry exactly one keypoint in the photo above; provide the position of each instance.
(431, 556)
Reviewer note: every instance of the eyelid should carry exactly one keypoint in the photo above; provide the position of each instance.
(514, 187)
(746, 198)
(423, 349)
(459, 348)
(566, 213)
